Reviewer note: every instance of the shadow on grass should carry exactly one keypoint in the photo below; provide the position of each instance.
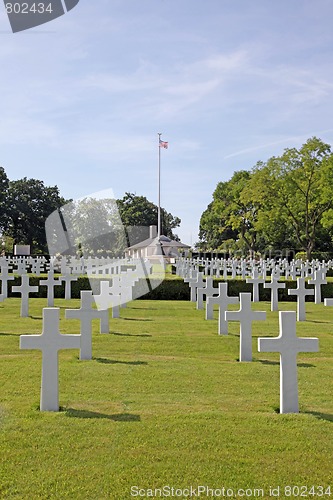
(36, 317)
(320, 416)
(277, 363)
(119, 417)
(4, 334)
(115, 362)
(136, 319)
(131, 334)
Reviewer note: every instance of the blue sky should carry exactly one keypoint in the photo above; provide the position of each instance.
(228, 83)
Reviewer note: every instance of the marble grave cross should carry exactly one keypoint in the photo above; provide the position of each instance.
(68, 278)
(274, 286)
(288, 345)
(222, 301)
(198, 282)
(107, 299)
(25, 289)
(301, 292)
(5, 277)
(255, 280)
(50, 342)
(208, 290)
(85, 314)
(317, 281)
(245, 316)
(50, 282)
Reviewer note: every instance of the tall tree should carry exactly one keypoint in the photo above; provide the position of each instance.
(229, 216)
(294, 191)
(29, 203)
(4, 182)
(137, 212)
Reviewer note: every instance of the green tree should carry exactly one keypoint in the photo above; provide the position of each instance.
(4, 182)
(29, 203)
(295, 192)
(229, 216)
(137, 212)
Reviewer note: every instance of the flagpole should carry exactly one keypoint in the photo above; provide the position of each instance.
(159, 189)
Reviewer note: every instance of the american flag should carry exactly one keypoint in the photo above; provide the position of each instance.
(164, 144)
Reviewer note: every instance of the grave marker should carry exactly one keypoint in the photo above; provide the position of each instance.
(50, 342)
(301, 292)
(288, 345)
(85, 314)
(24, 290)
(50, 282)
(245, 316)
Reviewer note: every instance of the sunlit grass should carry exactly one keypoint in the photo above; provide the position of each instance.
(163, 402)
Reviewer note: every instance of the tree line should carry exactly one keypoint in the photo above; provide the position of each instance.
(26, 204)
(283, 203)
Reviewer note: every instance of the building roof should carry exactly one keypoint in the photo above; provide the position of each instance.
(164, 240)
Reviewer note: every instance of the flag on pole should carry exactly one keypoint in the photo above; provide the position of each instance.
(164, 144)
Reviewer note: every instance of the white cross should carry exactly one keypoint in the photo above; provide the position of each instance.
(274, 286)
(301, 292)
(37, 266)
(288, 345)
(50, 342)
(50, 282)
(199, 281)
(85, 314)
(68, 278)
(255, 280)
(317, 281)
(5, 277)
(107, 299)
(208, 290)
(222, 301)
(25, 289)
(245, 316)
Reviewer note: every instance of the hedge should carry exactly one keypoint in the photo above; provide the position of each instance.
(175, 289)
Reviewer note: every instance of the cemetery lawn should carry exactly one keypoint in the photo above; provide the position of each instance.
(164, 402)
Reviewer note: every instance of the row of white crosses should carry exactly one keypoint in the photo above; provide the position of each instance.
(287, 344)
(51, 341)
(70, 265)
(243, 268)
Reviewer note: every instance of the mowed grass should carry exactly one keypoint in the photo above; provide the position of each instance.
(163, 402)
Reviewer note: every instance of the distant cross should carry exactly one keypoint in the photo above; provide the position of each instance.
(37, 266)
(245, 316)
(222, 301)
(288, 345)
(5, 277)
(199, 282)
(301, 292)
(208, 290)
(50, 342)
(25, 289)
(21, 266)
(68, 278)
(50, 282)
(85, 314)
(107, 299)
(317, 281)
(192, 279)
(255, 280)
(328, 302)
(127, 282)
(274, 286)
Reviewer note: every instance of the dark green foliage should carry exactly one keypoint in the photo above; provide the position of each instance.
(137, 212)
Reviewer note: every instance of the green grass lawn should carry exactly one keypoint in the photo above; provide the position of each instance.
(164, 402)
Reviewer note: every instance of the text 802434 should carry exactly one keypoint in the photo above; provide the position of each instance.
(25, 8)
